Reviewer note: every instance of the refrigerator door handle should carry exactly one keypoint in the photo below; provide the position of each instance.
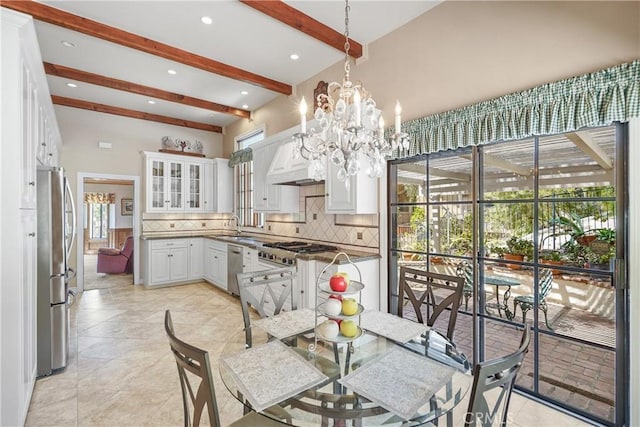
(73, 216)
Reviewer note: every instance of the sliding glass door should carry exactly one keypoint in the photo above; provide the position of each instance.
(536, 227)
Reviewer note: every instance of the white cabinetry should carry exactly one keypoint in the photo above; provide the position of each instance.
(164, 181)
(271, 197)
(215, 263)
(167, 261)
(196, 258)
(27, 112)
(250, 260)
(174, 183)
(218, 188)
(359, 197)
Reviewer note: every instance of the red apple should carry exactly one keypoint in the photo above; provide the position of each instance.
(337, 283)
(335, 296)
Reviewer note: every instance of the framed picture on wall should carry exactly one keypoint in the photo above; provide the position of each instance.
(126, 206)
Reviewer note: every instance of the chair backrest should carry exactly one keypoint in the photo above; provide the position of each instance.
(196, 361)
(545, 283)
(432, 291)
(127, 248)
(465, 270)
(485, 409)
(268, 291)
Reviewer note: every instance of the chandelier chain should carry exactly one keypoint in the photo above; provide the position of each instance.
(347, 45)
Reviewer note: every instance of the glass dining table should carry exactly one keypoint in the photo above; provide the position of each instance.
(373, 380)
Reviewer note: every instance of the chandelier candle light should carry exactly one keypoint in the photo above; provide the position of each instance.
(349, 124)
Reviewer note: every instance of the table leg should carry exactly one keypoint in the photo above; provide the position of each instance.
(507, 312)
(498, 301)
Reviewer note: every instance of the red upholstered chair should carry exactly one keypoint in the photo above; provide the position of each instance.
(112, 260)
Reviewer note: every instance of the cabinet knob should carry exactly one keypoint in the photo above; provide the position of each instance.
(32, 234)
(32, 183)
(44, 144)
(50, 154)
(326, 194)
(264, 198)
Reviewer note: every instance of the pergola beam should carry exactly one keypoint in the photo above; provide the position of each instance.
(590, 147)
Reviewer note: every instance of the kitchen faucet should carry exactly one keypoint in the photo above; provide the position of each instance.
(237, 223)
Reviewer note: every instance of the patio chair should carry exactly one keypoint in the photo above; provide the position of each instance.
(196, 361)
(525, 302)
(422, 287)
(486, 408)
(465, 270)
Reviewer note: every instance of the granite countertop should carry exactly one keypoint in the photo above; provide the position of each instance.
(255, 241)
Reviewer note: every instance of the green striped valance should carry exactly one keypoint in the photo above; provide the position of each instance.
(594, 99)
(240, 156)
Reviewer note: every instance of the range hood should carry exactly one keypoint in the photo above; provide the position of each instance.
(285, 170)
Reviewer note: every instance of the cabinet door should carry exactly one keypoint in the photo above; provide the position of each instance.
(221, 271)
(359, 196)
(160, 266)
(194, 185)
(209, 188)
(196, 258)
(28, 269)
(175, 185)
(338, 196)
(261, 162)
(179, 264)
(156, 185)
(209, 263)
(28, 154)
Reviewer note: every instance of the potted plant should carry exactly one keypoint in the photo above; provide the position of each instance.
(573, 225)
(552, 257)
(517, 249)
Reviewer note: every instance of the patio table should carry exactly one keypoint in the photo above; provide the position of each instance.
(381, 369)
(502, 282)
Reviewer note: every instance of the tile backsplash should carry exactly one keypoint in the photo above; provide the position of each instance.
(359, 232)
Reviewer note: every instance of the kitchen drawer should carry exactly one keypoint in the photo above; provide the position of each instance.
(169, 243)
(217, 245)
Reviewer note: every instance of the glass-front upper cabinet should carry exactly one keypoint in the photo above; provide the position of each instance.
(165, 184)
(194, 187)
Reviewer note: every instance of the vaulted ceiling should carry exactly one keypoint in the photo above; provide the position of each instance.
(115, 57)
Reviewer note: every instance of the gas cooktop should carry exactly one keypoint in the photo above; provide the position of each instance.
(300, 247)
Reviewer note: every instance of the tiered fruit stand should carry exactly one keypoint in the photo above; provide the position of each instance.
(354, 287)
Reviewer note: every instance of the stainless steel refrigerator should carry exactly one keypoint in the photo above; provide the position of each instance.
(56, 234)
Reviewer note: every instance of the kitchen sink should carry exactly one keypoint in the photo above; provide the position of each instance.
(239, 239)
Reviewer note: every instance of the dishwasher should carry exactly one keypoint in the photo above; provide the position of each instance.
(234, 265)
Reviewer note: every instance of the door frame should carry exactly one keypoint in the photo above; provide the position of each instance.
(136, 223)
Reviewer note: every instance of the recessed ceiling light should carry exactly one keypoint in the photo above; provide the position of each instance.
(294, 56)
(67, 43)
(206, 20)
(245, 106)
(151, 102)
(244, 92)
(172, 72)
(72, 85)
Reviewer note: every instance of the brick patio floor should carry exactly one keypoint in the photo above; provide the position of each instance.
(573, 373)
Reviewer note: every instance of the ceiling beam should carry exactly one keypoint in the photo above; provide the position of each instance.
(101, 108)
(279, 10)
(590, 147)
(96, 79)
(58, 17)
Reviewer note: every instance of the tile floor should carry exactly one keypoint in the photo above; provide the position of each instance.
(121, 372)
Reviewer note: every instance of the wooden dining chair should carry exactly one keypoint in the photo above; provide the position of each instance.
(434, 292)
(196, 361)
(486, 407)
